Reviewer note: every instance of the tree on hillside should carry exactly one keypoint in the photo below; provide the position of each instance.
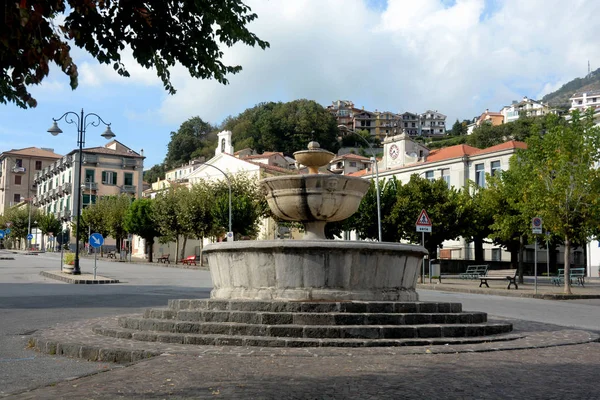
(139, 220)
(155, 173)
(284, 127)
(459, 128)
(561, 181)
(160, 34)
(189, 141)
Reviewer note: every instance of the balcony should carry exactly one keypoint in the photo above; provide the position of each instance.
(66, 214)
(67, 160)
(66, 188)
(89, 186)
(54, 193)
(90, 159)
(128, 189)
(18, 170)
(35, 201)
(129, 162)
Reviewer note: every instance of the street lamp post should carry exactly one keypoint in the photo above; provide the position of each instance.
(88, 185)
(81, 121)
(228, 184)
(374, 160)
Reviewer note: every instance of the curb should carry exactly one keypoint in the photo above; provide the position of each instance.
(509, 293)
(78, 281)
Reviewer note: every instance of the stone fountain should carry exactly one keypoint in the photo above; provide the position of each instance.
(314, 269)
(311, 292)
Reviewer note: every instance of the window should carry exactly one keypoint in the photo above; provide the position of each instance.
(429, 175)
(17, 179)
(446, 176)
(353, 163)
(412, 124)
(38, 165)
(109, 178)
(479, 175)
(18, 162)
(495, 168)
(89, 175)
(88, 199)
(128, 179)
(496, 254)
(16, 198)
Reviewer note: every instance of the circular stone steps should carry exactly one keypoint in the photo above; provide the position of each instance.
(301, 324)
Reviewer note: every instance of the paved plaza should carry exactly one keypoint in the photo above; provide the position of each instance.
(557, 357)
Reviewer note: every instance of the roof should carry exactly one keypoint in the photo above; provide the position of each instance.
(271, 167)
(511, 144)
(350, 156)
(496, 114)
(460, 150)
(589, 93)
(266, 154)
(33, 152)
(362, 172)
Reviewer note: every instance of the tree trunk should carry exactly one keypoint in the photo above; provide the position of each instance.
(176, 249)
(201, 250)
(183, 247)
(521, 248)
(567, 262)
(149, 248)
(42, 248)
(514, 257)
(478, 243)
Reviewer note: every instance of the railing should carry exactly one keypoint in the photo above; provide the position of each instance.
(67, 160)
(90, 159)
(66, 188)
(130, 162)
(18, 170)
(128, 189)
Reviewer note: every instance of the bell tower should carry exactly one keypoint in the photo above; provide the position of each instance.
(224, 143)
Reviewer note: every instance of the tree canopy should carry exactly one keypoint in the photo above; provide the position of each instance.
(193, 139)
(159, 34)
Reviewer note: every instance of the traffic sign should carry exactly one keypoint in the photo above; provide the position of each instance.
(7, 231)
(423, 222)
(8, 224)
(536, 226)
(29, 237)
(96, 240)
(1, 234)
(229, 236)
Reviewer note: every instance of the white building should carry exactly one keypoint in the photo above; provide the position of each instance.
(583, 100)
(432, 123)
(529, 107)
(348, 163)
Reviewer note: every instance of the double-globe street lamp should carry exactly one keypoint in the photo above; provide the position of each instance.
(81, 121)
(374, 161)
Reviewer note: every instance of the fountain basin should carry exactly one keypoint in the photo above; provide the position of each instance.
(316, 270)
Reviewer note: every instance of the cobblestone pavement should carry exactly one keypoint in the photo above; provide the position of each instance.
(565, 372)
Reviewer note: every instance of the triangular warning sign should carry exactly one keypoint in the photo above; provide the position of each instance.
(423, 219)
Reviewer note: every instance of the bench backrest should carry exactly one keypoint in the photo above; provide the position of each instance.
(502, 272)
(476, 268)
(577, 272)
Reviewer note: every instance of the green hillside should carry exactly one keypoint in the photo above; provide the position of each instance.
(560, 98)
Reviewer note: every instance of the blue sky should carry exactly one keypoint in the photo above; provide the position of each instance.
(455, 56)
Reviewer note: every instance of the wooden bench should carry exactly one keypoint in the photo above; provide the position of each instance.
(164, 259)
(111, 254)
(574, 273)
(500, 275)
(473, 272)
(189, 260)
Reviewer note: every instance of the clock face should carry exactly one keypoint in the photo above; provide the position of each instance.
(394, 151)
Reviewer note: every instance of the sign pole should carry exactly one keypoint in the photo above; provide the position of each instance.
(535, 262)
(62, 237)
(95, 262)
(423, 244)
(547, 257)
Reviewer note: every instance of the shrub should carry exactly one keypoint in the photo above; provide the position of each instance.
(69, 258)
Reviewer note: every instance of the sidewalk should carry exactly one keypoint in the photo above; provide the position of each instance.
(545, 289)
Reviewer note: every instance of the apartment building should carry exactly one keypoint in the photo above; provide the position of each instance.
(411, 124)
(109, 170)
(17, 170)
(529, 107)
(583, 100)
(490, 117)
(433, 123)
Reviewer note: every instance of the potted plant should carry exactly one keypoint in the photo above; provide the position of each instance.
(68, 262)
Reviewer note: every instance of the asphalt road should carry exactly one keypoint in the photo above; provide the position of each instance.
(29, 302)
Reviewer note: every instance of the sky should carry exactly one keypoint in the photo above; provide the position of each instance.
(459, 57)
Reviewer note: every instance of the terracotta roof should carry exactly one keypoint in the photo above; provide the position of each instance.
(445, 153)
(239, 151)
(33, 152)
(491, 113)
(362, 172)
(271, 167)
(511, 144)
(350, 156)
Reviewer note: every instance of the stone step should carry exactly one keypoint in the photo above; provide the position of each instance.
(302, 318)
(315, 331)
(315, 307)
(263, 341)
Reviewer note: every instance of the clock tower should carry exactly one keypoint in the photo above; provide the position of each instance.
(401, 150)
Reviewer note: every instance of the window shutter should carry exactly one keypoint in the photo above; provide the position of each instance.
(114, 178)
(104, 177)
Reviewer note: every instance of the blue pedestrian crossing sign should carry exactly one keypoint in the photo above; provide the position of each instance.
(29, 237)
(96, 240)
(1, 234)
